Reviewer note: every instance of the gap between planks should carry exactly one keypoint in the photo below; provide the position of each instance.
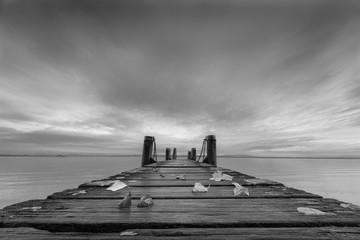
(321, 233)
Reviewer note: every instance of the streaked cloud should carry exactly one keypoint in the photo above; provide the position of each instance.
(267, 77)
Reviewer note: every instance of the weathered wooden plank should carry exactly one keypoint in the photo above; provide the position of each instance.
(172, 176)
(175, 166)
(161, 177)
(187, 161)
(174, 170)
(171, 170)
(201, 166)
(178, 163)
(174, 163)
(183, 193)
(156, 174)
(180, 183)
(256, 233)
(104, 215)
(191, 174)
(321, 233)
(206, 164)
(155, 183)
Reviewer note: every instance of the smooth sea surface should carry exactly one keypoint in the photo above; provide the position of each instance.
(24, 178)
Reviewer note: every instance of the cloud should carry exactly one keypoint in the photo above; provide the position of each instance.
(51, 142)
(177, 70)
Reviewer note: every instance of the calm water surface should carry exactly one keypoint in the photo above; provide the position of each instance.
(24, 178)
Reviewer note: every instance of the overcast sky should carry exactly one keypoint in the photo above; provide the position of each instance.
(268, 78)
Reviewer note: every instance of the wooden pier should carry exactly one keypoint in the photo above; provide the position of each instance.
(270, 211)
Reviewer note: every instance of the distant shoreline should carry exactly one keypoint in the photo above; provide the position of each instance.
(183, 156)
(66, 155)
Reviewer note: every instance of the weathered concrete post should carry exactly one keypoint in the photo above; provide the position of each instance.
(167, 154)
(193, 154)
(211, 149)
(147, 150)
(189, 154)
(174, 154)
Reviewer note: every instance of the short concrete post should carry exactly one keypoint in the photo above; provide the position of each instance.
(189, 155)
(193, 154)
(167, 154)
(174, 154)
(147, 150)
(211, 149)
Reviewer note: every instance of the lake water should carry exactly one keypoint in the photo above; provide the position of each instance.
(24, 178)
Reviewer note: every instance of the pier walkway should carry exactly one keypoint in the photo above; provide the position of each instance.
(270, 211)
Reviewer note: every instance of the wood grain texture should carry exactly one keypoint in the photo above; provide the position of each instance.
(184, 193)
(179, 163)
(172, 176)
(322, 233)
(178, 169)
(176, 183)
(104, 215)
(173, 169)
